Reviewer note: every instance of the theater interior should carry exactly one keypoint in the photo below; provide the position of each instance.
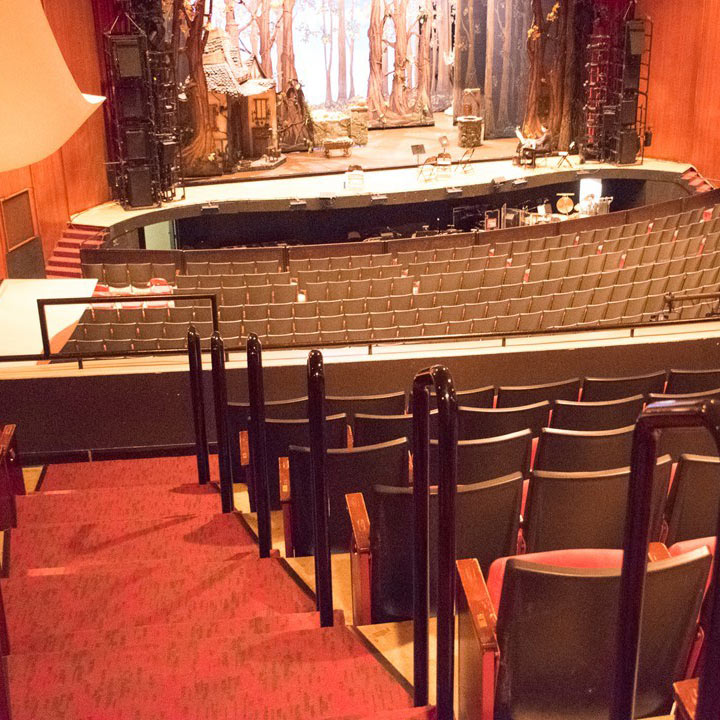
(421, 300)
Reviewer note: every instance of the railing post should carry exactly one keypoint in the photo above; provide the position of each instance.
(198, 406)
(258, 450)
(440, 377)
(316, 417)
(654, 418)
(217, 354)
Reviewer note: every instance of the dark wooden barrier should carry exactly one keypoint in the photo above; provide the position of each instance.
(343, 249)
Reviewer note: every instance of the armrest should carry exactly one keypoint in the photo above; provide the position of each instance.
(360, 559)
(685, 693)
(286, 504)
(244, 448)
(478, 650)
(350, 440)
(479, 603)
(658, 551)
(359, 521)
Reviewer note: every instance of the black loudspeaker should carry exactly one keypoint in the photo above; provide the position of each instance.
(635, 35)
(168, 152)
(139, 190)
(131, 102)
(631, 73)
(628, 146)
(128, 52)
(628, 110)
(136, 144)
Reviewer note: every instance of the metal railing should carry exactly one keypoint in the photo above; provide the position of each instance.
(219, 381)
(439, 378)
(316, 417)
(258, 452)
(198, 406)
(656, 417)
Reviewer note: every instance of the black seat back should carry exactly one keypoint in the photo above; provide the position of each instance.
(293, 409)
(388, 404)
(282, 433)
(373, 429)
(692, 381)
(474, 423)
(694, 500)
(597, 389)
(602, 415)
(487, 458)
(348, 470)
(483, 397)
(528, 394)
(557, 636)
(578, 451)
(586, 509)
(487, 523)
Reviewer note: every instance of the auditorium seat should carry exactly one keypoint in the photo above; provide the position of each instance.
(487, 458)
(385, 404)
(537, 661)
(514, 396)
(487, 524)
(577, 451)
(694, 500)
(348, 470)
(474, 423)
(602, 415)
(586, 509)
(595, 389)
(692, 381)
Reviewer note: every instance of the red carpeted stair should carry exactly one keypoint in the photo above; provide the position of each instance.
(65, 259)
(131, 597)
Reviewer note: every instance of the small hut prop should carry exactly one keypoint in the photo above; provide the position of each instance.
(243, 104)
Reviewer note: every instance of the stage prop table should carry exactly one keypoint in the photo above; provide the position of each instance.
(330, 125)
(471, 131)
(343, 144)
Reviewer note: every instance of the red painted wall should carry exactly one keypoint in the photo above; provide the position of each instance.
(73, 178)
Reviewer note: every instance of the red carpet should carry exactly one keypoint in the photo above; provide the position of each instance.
(109, 504)
(131, 598)
(117, 473)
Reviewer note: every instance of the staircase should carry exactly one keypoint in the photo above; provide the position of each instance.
(65, 259)
(695, 181)
(130, 597)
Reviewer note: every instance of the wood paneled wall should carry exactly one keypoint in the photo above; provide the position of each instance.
(73, 178)
(684, 96)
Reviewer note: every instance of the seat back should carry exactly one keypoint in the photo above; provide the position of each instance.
(597, 389)
(348, 470)
(602, 415)
(692, 381)
(373, 429)
(387, 404)
(586, 509)
(476, 423)
(557, 633)
(482, 397)
(487, 458)
(694, 501)
(487, 516)
(577, 451)
(282, 433)
(528, 394)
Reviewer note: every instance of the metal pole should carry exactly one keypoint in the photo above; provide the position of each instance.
(321, 510)
(258, 458)
(217, 354)
(440, 377)
(655, 417)
(198, 406)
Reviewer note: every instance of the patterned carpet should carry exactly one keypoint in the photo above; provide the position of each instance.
(131, 598)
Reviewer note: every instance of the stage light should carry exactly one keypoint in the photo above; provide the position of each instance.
(444, 142)
(453, 192)
(378, 199)
(519, 181)
(210, 209)
(327, 201)
(417, 151)
(297, 204)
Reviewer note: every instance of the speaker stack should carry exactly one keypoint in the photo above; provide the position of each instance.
(142, 112)
(627, 142)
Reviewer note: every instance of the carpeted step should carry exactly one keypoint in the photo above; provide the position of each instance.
(43, 611)
(120, 473)
(428, 712)
(321, 673)
(103, 504)
(194, 538)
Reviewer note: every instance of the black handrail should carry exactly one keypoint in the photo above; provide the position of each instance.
(197, 396)
(655, 417)
(258, 441)
(217, 355)
(439, 377)
(316, 417)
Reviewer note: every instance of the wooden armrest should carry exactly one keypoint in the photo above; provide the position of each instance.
(479, 603)
(686, 697)
(658, 551)
(359, 521)
(244, 448)
(284, 479)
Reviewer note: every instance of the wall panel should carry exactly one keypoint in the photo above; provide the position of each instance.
(684, 97)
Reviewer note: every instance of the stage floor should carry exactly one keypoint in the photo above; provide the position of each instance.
(385, 149)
